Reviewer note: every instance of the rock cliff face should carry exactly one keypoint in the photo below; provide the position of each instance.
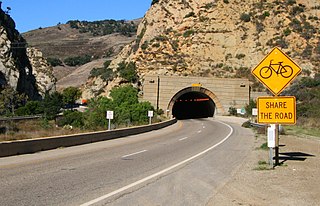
(223, 38)
(25, 71)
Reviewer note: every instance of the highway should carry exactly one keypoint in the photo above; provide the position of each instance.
(184, 164)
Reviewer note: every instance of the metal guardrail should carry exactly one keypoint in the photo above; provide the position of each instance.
(253, 124)
(20, 118)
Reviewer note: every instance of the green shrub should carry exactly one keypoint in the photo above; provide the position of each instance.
(54, 61)
(252, 104)
(77, 61)
(264, 146)
(245, 17)
(144, 46)
(209, 5)
(246, 124)
(104, 27)
(188, 33)
(232, 111)
(154, 2)
(287, 32)
(297, 10)
(73, 118)
(291, 2)
(190, 14)
(105, 73)
(31, 108)
(127, 71)
(240, 56)
(266, 13)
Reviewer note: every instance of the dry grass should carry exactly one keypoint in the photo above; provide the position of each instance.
(34, 129)
(310, 126)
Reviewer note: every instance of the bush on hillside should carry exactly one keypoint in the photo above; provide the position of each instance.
(128, 72)
(54, 61)
(104, 27)
(245, 17)
(77, 61)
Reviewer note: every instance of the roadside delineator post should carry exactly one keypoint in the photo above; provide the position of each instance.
(109, 118)
(150, 115)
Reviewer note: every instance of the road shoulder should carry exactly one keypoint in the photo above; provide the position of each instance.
(296, 182)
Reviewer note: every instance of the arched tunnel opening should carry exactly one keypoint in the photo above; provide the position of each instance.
(193, 105)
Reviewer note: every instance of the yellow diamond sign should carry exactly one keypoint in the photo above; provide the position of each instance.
(276, 71)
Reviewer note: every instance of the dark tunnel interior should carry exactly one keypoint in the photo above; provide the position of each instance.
(193, 105)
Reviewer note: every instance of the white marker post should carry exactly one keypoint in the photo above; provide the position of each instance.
(109, 118)
(254, 112)
(271, 142)
(150, 115)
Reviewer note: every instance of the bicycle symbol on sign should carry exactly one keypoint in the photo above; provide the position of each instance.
(284, 70)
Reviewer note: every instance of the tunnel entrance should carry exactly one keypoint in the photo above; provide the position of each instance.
(192, 105)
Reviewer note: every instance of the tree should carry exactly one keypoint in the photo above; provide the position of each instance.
(139, 112)
(31, 108)
(124, 95)
(124, 102)
(252, 104)
(95, 116)
(10, 100)
(70, 95)
(52, 104)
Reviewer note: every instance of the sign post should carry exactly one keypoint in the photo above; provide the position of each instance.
(109, 117)
(271, 142)
(276, 71)
(150, 115)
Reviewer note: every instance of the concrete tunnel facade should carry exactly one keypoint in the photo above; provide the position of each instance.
(195, 97)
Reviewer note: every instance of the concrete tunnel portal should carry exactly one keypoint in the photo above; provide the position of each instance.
(192, 103)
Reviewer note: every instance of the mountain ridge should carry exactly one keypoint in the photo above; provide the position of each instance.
(221, 38)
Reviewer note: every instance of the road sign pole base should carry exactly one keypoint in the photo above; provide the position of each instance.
(271, 157)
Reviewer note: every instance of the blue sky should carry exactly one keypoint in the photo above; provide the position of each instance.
(32, 14)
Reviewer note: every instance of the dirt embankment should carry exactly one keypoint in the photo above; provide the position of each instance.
(296, 182)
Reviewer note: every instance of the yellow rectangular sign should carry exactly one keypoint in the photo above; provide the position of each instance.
(277, 110)
(196, 85)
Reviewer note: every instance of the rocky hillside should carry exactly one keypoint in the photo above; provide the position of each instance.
(220, 38)
(23, 69)
(100, 40)
(77, 38)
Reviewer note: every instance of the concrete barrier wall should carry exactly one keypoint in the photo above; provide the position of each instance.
(41, 144)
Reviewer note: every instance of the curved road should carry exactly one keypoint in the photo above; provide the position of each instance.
(183, 164)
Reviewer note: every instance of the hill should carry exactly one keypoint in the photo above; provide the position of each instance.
(22, 69)
(76, 39)
(225, 38)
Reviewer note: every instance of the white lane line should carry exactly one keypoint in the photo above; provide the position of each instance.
(159, 173)
(129, 155)
(183, 138)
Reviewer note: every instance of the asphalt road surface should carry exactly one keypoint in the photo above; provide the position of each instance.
(184, 164)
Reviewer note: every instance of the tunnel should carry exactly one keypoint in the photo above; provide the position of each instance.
(193, 105)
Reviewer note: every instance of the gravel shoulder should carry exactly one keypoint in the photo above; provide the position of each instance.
(296, 182)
